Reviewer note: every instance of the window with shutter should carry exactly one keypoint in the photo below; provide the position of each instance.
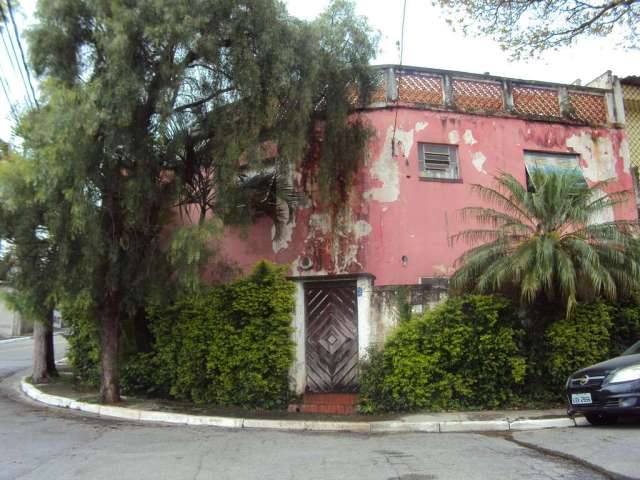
(438, 161)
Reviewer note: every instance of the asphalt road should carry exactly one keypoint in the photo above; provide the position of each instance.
(15, 354)
(37, 442)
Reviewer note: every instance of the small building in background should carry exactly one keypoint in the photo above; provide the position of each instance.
(11, 322)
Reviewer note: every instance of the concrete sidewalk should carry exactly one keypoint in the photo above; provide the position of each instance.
(487, 421)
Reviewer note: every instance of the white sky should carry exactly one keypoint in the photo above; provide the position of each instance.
(428, 42)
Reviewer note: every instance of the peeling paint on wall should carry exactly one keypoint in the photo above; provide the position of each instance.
(342, 259)
(625, 154)
(296, 269)
(444, 270)
(361, 229)
(345, 245)
(604, 215)
(385, 168)
(478, 160)
(319, 223)
(390, 212)
(468, 137)
(598, 161)
(286, 230)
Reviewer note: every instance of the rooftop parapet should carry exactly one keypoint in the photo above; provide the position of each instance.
(449, 90)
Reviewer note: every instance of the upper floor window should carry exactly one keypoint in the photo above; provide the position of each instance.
(438, 161)
(551, 162)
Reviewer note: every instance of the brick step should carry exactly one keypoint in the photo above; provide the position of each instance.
(331, 398)
(331, 403)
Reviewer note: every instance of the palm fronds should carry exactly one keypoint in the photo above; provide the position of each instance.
(550, 243)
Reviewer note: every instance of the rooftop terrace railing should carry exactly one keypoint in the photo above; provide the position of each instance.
(492, 95)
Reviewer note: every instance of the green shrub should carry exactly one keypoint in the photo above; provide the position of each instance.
(83, 351)
(464, 353)
(625, 329)
(229, 346)
(577, 342)
(374, 396)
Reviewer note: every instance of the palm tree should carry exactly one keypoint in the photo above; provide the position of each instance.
(546, 242)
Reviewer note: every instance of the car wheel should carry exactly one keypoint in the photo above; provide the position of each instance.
(600, 418)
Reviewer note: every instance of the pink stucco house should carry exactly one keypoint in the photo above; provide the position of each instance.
(436, 133)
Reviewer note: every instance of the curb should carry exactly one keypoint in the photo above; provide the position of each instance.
(26, 337)
(14, 339)
(388, 426)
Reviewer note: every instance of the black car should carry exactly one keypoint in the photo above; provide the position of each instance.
(607, 390)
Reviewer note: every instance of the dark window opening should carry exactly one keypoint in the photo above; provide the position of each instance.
(551, 162)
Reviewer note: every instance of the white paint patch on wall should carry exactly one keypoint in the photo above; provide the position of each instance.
(597, 154)
(605, 215)
(468, 137)
(421, 126)
(319, 223)
(361, 229)
(385, 168)
(625, 154)
(454, 137)
(478, 159)
(445, 270)
(286, 231)
(343, 259)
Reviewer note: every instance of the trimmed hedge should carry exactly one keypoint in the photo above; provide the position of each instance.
(595, 332)
(229, 346)
(464, 353)
(232, 345)
(625, 329)
(577, 342)
(471, 352)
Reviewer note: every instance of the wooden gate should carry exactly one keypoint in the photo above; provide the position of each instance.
(332, 336)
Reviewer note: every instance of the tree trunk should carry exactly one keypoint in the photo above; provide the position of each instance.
(109, 381)
(39, 373)
(51, 359)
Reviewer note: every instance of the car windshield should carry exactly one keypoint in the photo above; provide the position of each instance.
(633, 350)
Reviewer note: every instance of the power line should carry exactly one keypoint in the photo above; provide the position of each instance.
(4, 42)
(15, 63)
(395, 119)
(24, 60)
(4, 86)
(404, 12)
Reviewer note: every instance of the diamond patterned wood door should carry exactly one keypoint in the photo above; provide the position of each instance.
(332, 337)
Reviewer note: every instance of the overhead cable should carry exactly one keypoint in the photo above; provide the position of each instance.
(24, 60)
(13, 60)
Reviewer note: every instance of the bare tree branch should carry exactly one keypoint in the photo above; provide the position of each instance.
(529, 27)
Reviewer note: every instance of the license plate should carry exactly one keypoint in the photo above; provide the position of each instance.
(580, 398)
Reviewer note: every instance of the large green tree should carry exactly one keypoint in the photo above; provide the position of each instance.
(152, 104)
(29, 257)
(548, 242)
(527, 28)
